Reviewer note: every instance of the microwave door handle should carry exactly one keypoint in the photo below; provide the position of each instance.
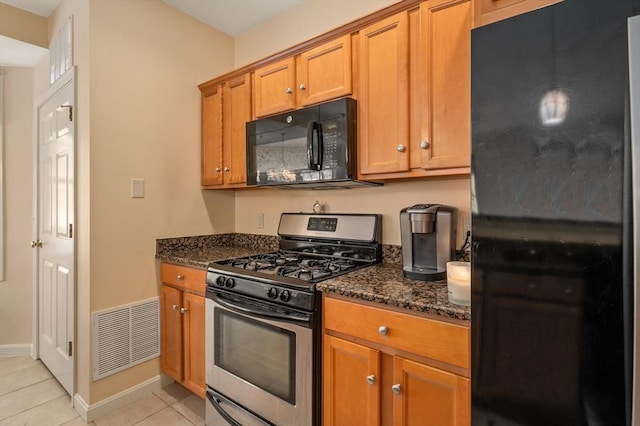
(314, 128)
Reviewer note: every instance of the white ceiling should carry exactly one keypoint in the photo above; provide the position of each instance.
(230, 16)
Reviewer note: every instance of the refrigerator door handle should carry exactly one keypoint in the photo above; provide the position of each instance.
(634, 109)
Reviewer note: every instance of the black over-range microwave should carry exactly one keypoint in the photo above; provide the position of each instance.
(313, 147)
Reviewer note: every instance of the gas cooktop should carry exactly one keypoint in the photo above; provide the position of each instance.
(313, 247)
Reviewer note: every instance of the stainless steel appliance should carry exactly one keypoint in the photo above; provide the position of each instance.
(555, 187)
(428, 237)
(313, 148)
(263, 319)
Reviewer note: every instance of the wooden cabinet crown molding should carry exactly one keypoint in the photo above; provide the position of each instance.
(348, 28)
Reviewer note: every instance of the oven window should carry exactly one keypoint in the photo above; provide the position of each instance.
(257, 352)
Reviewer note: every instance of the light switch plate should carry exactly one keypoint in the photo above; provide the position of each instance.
(137, 188)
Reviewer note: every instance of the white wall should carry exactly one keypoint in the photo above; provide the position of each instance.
(138, 116)
(387, 200)
(16, 290)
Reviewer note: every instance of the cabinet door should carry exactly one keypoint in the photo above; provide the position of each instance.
(211, 151)
(324, 73)
(488, 11)
(274, 86)
(428, 396)
(348, 397)
(171, 332)
(194, 337)
(383, 110)
(237, 111)
(446, 71)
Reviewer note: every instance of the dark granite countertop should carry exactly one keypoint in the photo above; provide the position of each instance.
(385, 284)
(201, 250)
(382, 283)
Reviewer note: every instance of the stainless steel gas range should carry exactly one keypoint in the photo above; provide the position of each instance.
(263, 319)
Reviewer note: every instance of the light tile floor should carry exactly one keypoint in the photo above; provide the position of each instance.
(30, 396)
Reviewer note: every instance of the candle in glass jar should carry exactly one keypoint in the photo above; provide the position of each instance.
(459, 283)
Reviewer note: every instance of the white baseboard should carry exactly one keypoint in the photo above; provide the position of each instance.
(89, 413)
(15, 350)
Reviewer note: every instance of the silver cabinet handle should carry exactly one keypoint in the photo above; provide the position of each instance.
(179, 277)
(218, 170)
(424, 144)
(396, 389)
(226, 169)
(383, 330)
(174, 307)
(302, 86)
(371, 379)
(184, 311)
(401, 148)
(288, 91)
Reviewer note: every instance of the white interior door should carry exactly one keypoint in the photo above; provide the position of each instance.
(56, 253)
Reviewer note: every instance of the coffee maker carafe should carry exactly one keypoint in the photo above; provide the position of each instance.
(428, 236)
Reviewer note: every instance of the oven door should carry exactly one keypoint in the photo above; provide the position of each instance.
(259, 361)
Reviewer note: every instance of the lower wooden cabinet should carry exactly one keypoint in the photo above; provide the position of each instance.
(182, 312)
(365, 382)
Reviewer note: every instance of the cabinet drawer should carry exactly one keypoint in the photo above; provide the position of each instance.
(433, 339)
(183, 277)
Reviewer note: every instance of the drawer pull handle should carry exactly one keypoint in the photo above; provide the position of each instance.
(371, 379)
(180, 277)
(183, 310)
(383, 330)
(174, 307)
(396, 389)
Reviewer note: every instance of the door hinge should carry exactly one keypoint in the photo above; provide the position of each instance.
(70, 111)
(71, 230)
(70, 349)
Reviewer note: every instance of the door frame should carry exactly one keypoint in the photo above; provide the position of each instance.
(68, 78)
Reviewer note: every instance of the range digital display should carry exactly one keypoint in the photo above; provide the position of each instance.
(326, 224)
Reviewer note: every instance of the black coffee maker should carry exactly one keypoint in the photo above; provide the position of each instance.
(428, 236)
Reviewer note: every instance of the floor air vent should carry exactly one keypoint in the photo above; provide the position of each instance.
(125, 336)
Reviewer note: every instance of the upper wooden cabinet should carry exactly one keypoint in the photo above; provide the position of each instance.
(488, 11)
(225, 110)
(383, 96)
(316, 75)
(414, 92)
(445, 141)
(409, 68)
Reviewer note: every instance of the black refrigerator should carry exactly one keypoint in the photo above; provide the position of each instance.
(554, 199)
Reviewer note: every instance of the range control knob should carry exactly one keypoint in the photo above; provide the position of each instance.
(220, 281)
(230, 283)
(285, 295)
(272, 293)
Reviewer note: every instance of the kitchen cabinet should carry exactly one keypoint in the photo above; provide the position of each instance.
(182, 311)
(414, 92)
(226, 108)
(313, 76)
(488, 11)
(383, 367)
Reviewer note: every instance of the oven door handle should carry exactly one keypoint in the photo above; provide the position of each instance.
(216, 404)
(304, 320)
(216, 400)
